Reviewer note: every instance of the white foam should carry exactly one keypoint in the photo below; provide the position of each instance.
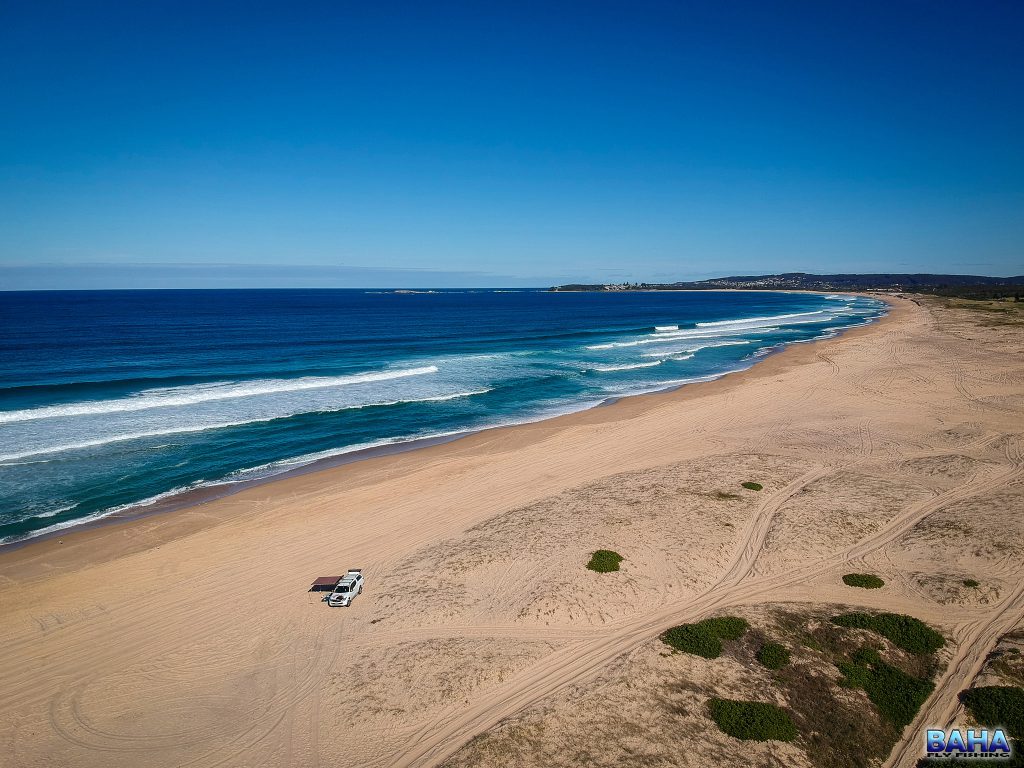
(666, 338)
(203, 393)
(272, 468)
(700, 347)
(663, 328)
(774, 319)
(55, 512)
(627, 367)
(661, 386)
(129, 436)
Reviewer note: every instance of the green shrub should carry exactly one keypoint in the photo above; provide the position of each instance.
(971, 583)
(897, 695)
(997, 705)
(773, 655)
(863, 580)
(752, 486)
(854, 675)
(727, 627)
(752, 720)
(705, 637)
(908, 633)
(867, 656)
(605, 561)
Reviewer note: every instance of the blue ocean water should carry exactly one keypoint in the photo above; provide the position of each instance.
(112, 399)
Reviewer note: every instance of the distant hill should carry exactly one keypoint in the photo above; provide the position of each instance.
(967, 286)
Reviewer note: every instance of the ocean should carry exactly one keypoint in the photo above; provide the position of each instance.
(115, 400)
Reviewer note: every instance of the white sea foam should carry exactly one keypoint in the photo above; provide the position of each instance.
(665, 338)
(276, 467)
(663, 328)
(625, 367)
(771, 319)
(203, 393)
(55, 512)
(699, 347)
(661, 386)
(126, 437)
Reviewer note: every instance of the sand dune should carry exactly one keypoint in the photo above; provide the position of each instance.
(188, 638)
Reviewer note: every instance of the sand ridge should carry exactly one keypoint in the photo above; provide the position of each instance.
(188, 639)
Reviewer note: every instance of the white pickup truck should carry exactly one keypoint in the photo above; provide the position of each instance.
(345, 591)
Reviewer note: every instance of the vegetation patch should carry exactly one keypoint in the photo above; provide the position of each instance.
(908, 633)
(997, 705)
(863, 580)
(752, 720)
(971, 583)
(705, 637)
(773, 655)
(724, 495)
(897, 695)
(605, 561)
(752, 486)
(836, 729)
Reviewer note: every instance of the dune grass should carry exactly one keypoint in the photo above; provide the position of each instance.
(752, 720)
(705, 637)
(752, 486)
(605, 561)
(863, 580)
(971, 583)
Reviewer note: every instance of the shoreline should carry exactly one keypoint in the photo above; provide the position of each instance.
(191, 637)
(199, 499)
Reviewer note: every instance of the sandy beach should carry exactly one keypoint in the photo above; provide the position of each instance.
(189, 639)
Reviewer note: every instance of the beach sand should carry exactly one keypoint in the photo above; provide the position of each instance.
(189, 639)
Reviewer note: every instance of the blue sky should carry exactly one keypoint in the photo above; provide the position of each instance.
(164, 144)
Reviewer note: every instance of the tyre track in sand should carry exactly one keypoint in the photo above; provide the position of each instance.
(434, 741)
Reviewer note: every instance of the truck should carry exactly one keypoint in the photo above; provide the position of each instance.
(345, 591)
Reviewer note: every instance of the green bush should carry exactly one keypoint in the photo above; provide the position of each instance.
(863, 580)
(605, 561)
(854, 675)
(752, 486)
(897, 695)
(867, 656)
(997, 705)
(773, 655)
(705, 637)
(908, 633)
(752, 720)
(971, 583)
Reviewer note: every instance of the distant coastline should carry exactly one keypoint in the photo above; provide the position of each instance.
(964, 286)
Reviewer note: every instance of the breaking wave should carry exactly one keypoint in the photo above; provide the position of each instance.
(204, 393)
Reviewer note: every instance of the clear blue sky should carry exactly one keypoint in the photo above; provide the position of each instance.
(435, 143)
